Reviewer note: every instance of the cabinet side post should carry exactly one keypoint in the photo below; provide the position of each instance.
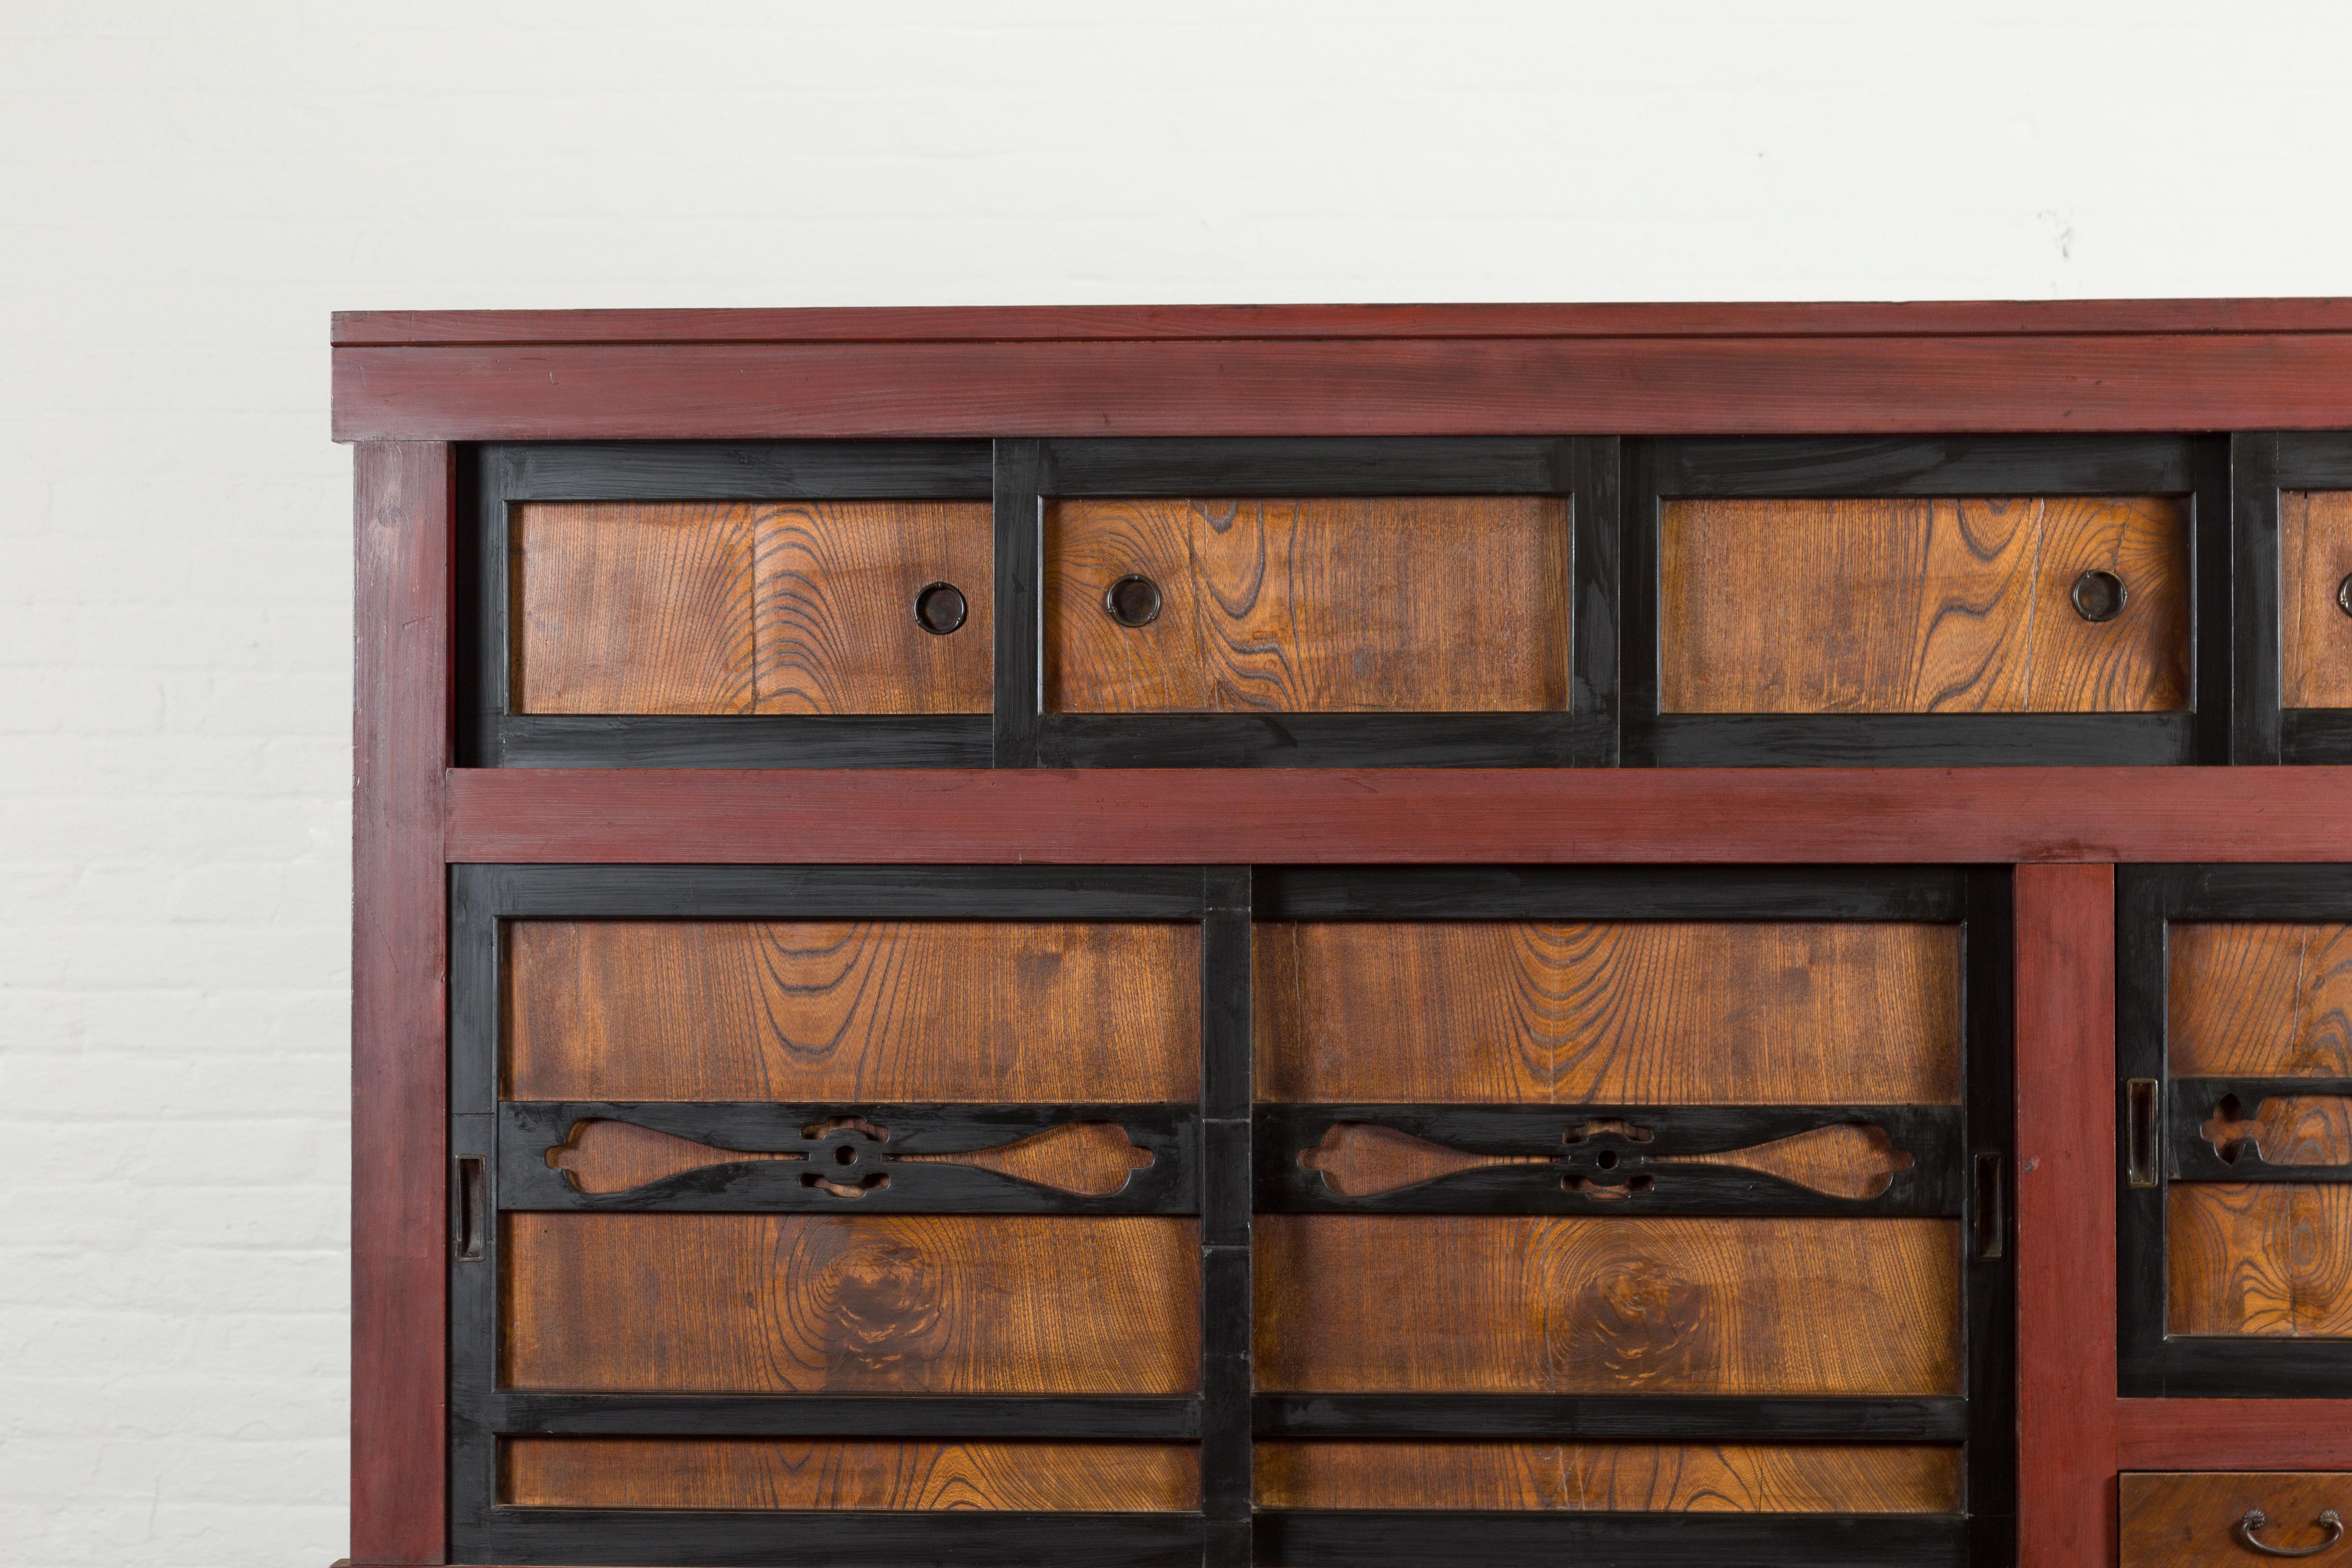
(2065, 925)
(404, 505)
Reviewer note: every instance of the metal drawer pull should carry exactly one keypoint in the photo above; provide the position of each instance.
(2344, 595)
(2099, 596)
(939, 608)
(1132, 601)
(2330, 1521)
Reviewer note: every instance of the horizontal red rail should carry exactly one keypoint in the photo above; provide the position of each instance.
(1948, 815)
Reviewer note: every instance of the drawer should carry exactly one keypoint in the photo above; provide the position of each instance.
(1953, 604)
(2315, 599)
(2227, 1519)
(758, 608)
(1334, 605)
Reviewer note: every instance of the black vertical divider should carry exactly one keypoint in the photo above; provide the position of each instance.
(474, 958)
(2254, 592)
(2215, 648)
(1226, 1094)
(1596, 469)
(1989, 1274)
(1019, 482)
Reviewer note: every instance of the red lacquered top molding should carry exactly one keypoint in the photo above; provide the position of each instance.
(1101, 323)
(1928, 369)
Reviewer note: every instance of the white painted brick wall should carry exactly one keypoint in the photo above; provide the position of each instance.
(186, 190)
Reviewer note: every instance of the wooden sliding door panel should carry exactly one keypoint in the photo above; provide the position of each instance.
(756, 1473)
(1514, 1305)
(838, 625)
(883, 1304)
(1624, 1478)
(2259, 999)
(2314, 618)
(645, 608)
(1626, 1013)
(1400, 604)
(852, 1010)
(1923, 606)
(628, 608)
(2270, 1259)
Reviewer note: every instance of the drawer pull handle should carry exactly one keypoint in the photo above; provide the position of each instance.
(1132, 601)
(939, 608)
(2344, 595)
(2329, 1520)
(2140, 1101)
(2099, 596)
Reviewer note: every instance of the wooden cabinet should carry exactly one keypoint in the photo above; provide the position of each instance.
(1341, 937)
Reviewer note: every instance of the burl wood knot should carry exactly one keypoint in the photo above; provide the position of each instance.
(1850, 1160)
(1087, 1159)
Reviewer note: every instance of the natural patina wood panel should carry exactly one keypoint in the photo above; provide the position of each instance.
(2189, 1519)
(2258, 1000)
(1507, 1304)
(835, 628)
(752, 1303)
(2270, 1258)
(790, 1473)
(2286, 1130)
(1409, 604)
(2314, 633)
(1491, 1012)
(860, 1011)
(1927, 605)
(748, 607)
(1630, 1478)
(631, 608)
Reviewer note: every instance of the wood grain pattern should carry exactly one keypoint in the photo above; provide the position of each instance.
(1631, 1478)
(771, 1473)
(2193, 1434)
(2258, 1000)
(1415, 603)
(1090, 1158)
(856, 1011)
(2271, 1259)
(1849, 1159)
(630, 607)
(1353, 816)
(2287, 1130)
(1518, 1305)
(752, 1303)
(748, 607)
(1927, 605)
(404, 515)
(2314, 634)
(835, 628)
(1360, 1160)
(1635, 1013)
(606, 1156)
(2174, 1520)
(1924, 383)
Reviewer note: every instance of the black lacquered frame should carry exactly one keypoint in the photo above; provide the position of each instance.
(1031, 474)
(507, 1140)
(1221, 1159)
(494, 477)
(2151, 1361)
(2196, 467)
(2262, 465)
(1962, 1155)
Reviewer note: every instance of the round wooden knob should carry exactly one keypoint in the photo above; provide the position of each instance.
(939, 608)
(2099, 596)
(1132, 601)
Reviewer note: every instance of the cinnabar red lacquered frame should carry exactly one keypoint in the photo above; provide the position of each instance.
(409, 385)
